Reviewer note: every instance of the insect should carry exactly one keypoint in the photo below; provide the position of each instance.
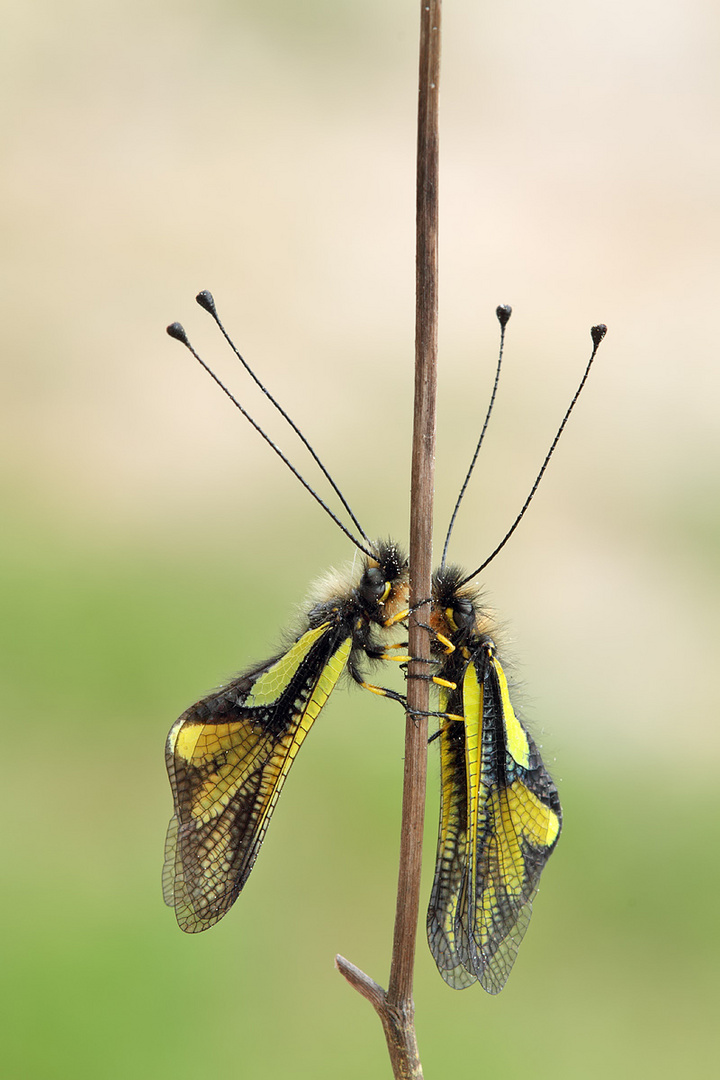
(500, 815)
(229, 754)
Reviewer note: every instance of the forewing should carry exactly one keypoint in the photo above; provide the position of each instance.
(514, 821)
(227, 759)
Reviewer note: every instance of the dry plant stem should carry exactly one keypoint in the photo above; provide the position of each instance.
(395, 1007)
(421, 508)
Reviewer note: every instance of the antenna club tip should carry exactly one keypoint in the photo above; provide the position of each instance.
(177, 330)
(205, 300)
(503, 312)
(597, 333)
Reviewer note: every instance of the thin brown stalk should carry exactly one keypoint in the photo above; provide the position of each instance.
(395, 1006)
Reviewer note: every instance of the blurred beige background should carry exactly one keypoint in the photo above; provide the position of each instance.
(153, 545)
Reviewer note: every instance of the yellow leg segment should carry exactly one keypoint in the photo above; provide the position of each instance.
(383, 693)
(400, 617)
(449, 647)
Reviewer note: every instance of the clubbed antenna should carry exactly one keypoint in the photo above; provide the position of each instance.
(597, 333)
(503, 312)
(206, 301)
(177, 331)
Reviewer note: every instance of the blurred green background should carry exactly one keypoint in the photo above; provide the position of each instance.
(153, 547)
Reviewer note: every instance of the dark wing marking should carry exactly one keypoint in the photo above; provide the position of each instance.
(227, 758)
(444, 929)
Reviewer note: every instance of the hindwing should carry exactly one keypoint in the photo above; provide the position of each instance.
(443, 922)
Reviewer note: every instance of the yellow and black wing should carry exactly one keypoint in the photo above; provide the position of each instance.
(227, 759)
(500, 821)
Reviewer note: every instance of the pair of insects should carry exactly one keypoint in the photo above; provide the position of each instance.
(228, 755)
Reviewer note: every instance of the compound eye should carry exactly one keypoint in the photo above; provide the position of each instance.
(463, 613)
(372, 585)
